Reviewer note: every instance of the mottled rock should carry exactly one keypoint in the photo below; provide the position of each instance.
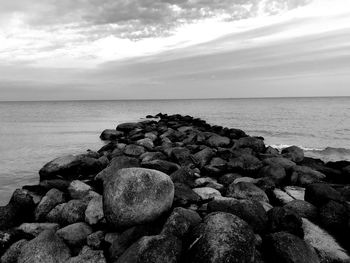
(285, 219)
(251, 142)
(48, 202)
(87, 255)
(320, 193)
(94, 211)
(334, 216)
(303, 175)
(206, 192)
(118, 163)
(35, 229)
(96, 239)
(12, 253)
(78, 189)
(136, 195)
(246, 191)
(280, 161)
(134, 150)
(218, 141)
(204, 156)
(75, 234)
(162, 166)
(275, 172)
(293, 153)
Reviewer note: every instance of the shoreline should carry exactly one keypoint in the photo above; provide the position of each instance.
(201, 174)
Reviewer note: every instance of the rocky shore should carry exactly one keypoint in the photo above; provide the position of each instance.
(176, 189)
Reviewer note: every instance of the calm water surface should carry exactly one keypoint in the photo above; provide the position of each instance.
(33, 133)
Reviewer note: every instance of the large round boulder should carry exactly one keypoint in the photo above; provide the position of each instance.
(134, 196)
(223, 237)
(293, 153)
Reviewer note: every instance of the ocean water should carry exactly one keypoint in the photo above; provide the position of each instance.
(33, 133)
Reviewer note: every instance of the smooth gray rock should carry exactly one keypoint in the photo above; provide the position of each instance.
(94, 211)
(75, 234)
(78, 189)
(36, 228)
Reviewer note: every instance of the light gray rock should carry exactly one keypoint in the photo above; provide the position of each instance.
(94, 211)
(75, 234)
(281, 196)
(295, 191)
(36, 228)
(48, 202)
(207, 192)
(134, 196)
(78, 189)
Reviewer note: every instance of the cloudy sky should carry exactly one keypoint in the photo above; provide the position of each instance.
(153, 49)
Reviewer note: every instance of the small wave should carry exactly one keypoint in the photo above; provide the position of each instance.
(326, 154)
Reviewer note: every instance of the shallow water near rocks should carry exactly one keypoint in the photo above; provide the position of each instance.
(33, 133)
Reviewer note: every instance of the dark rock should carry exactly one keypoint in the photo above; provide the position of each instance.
(48, 202)
(96, 239)
(251, 142)
(12, 253)
(150, 156)
(275, 172)
(117, 163)
(250, 211)
(320, 193)
(153, 249)
(47, 247)
(204, 156)
(293, 153)
(218, 141)
(303, 209)
(181, 155)
(136, 195)
(87, 255)
(229, 178)
(127, 127)
(75, 235)
(284, 247)
(71, 167)
(285, 219)
(59, 184)
(222, 237)
(303, 175)
(161, 165)
(184, 175)
(73, 212)
(246, 164)
(280, 161)
(110, 135)
(180, 222)
(8, 237)
(334, 216)
(146, 143)
(248, 191)
(134, 150)
(184, 195)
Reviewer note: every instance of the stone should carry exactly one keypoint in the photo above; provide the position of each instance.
(8, 237)
(161, 165)
(48, 202)
(284, 247)
(55, 215)
(303, 209)
(134, 150)
(246, 164)
(303, 175)
(128, 126)
(325, 245)
(184, 195)
(180, 222)
(59, 184)
(184, 175)
(94, 211)
(70, 167)
(218, 141)
(280, 161)
(73, 211)
(275, 172)
(284, 219)
(47, 247)
(245, 180)
(251, 142)
(118, 163)
(136, 195)
(87, 255)
(12, 253)
(146, 143)
(222, 237)
(246, 191)
(295, 191)
(250, 211)
(110, 135)
(181, 155)
(35, 229)
(320, 193)
(229, 178)
(334, 216)
(150, 156)
(206, 193)
(153, 249)
(209, 182)
(280, 197)
(96, 239)
(293, 153)
(204, 156)
(78, 189)
(75, 234)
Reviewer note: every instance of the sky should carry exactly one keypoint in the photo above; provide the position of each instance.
(173, 49)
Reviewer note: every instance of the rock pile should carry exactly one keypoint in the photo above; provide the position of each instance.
(176, 189)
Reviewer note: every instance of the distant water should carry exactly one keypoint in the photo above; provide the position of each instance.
(33, 133)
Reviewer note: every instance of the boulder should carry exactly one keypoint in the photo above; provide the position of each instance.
(70, 167)
(228, 178)
(206, 193)
(284, 219)
(280, 197)
(325, 245)
(320, 193)
(204, 156)
(246, 164)
(8, 237)
(78, 189)
(253, 143)
(59, 184)
(134, 150)
(218, 141)
(128, 126)
(94, 211)
(184, 195)
(47, 247)
(248, 191)
(222, 237)
(48, 202)
(146, 143)
(150, 156)
(208, 182)
(284, 247)
(181, 155)
(294, 153)
(110, 135)
(73, 211)
(180, 222)
(75, 234)
(96, 239)
(153, 249)
(275, 172)
(280, 161)
(295, 191)
(303, 209)
(303, 175)
(334, 216)
(117, 163)
(250, 211)
(184, 175)
(161, 165)
(136, 195)
(87, 255)
(35, 229)
(12, 253)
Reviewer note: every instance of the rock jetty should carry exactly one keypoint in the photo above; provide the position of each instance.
(174, 188)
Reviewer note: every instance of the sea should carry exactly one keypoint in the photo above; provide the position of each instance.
(33, 133)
